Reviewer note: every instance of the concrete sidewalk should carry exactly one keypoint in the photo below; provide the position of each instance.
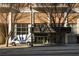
(38, 45)
(17, 46)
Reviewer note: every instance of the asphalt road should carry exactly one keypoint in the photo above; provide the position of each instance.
(71, 50)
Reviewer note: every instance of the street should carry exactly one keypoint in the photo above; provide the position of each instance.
(67, 50)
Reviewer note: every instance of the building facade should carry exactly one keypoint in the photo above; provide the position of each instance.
(31, 24)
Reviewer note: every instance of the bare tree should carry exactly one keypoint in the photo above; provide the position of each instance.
(55, 11)
(59, 14)
(14, 9)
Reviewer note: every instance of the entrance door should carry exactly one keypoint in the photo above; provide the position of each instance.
(77, 39)
(40, 38)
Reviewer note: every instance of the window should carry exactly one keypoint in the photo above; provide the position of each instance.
(40, 38)
(22, 29)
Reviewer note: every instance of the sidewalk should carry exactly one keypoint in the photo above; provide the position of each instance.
(53, 44)
(17, 46)
(37, 45)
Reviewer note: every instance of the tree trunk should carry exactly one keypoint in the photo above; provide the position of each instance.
(6, 41)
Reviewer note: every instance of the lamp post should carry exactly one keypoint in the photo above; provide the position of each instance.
(32, 25)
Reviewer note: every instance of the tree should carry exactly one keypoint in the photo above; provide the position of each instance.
(59, 15)
(14, 9)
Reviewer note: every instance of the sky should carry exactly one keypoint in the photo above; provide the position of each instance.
(39, 1)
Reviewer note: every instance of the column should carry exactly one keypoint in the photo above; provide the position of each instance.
(65, 25)
(32, 27)
(65, 18)
(15, 30)
(49, 19)
(9, 25)
(33, 18)
(66, 39)
(29, 33)
(78, 26)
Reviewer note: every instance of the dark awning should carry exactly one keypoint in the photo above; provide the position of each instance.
(62, 29)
